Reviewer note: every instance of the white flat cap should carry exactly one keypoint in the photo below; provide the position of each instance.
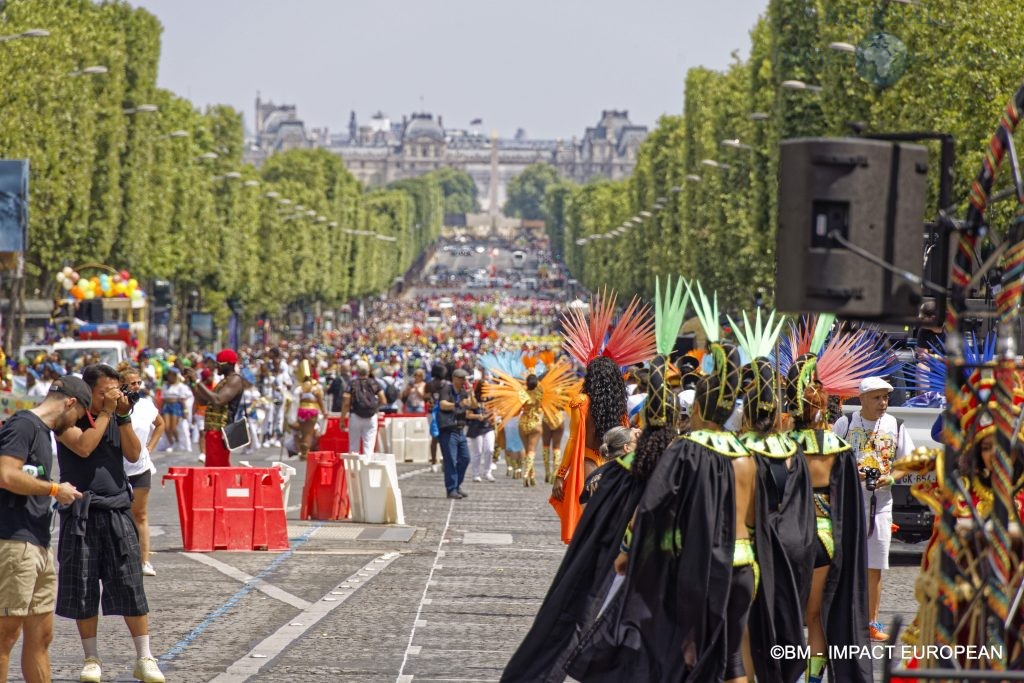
(874, 384)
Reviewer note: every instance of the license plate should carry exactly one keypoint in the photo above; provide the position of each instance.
(914, 478)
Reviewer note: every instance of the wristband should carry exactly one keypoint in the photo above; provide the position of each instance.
(53, 489)
(123, 420)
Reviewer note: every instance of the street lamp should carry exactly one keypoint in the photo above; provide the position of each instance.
(736, 144)
(759, 116)
(207, 156)
(800, 85)
(251, 183)
(31, 33)
(272, 195)
(694, 178)
(90, 71)
(646, 214)
(231, 175)
(174, 134)
(142, 109)
(842, 47)
(715, 164)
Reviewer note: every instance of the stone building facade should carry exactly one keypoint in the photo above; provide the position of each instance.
(382, 151)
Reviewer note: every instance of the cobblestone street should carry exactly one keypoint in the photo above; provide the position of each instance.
(351, 602)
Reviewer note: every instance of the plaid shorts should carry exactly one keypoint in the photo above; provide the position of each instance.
(108, 552)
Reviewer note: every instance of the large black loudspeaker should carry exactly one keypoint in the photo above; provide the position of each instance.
(873, 193)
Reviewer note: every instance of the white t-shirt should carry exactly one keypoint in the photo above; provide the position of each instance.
(877, 443)
(143, 415)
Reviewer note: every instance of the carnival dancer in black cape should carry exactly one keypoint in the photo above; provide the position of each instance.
(586, 572)
(784, 498)
(837, 604)
(692, 571)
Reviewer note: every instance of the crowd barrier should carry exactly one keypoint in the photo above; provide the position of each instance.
(230, 508)
(325, 495)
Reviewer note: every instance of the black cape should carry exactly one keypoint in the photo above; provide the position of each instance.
(585, 572)
(844, 606)
(777, 615)
(668, 621)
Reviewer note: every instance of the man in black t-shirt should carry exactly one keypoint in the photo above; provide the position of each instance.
(28, 584)
(453, 400)
(98, 538)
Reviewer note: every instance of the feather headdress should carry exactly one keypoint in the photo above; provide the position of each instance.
(707, 312)
(632, 341)
(507, 394)
(758, 339)
(669, 313)
(928, 371)
(508, 362)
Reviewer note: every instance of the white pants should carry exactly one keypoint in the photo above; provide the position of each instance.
(362, 433)
(878, 542)
(481, 449)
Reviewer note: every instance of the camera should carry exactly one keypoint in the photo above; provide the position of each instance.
(871, 477)
(132, 396)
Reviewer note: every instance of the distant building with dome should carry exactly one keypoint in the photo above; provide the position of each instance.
(382, 151)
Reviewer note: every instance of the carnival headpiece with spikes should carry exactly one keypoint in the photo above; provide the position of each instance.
(716, 392)
(758, 339)
(707, 312)
(669, 313)
(928, 371)
(632, 341)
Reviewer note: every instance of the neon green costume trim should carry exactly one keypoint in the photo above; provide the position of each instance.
(743, 555)
(824, 527)
(723, 443)
(808, 440)
(771, 446)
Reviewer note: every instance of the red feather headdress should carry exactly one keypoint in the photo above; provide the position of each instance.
(632, 341)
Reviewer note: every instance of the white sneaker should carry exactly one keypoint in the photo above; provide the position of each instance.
(91, 671)
(489, 477)
(202, 457)
(169, 449)
(433, 468)
(147, 671)
(147, 569)
(477, 479)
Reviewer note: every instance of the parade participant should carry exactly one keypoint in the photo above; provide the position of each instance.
(618, 442)
(311, 407)
(879, 441)
(98, 540)
(601, 404)
(552, 432)
(480, 434)
(530, 419)
(586, 572)
(222, 405)
(692, 572)
(149, 427)
(28, 584)
(361, 403)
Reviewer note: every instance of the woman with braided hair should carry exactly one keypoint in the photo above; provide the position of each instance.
(836, 612)
(692, 572)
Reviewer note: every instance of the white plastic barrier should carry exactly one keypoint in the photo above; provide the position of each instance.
(407, 438)
(287, 472)
(373, 488)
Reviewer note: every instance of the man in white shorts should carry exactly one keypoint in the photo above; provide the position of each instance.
(879, 440)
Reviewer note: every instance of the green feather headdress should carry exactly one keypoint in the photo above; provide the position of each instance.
(669, 313)
(757, 340)
(707, 312)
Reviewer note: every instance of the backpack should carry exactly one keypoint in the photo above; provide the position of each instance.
(391, 393)
(364, 398)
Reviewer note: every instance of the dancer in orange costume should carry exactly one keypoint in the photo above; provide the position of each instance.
(601, 404)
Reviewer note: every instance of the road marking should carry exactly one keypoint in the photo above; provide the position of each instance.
(484, 538)
(259, 584)
(216, 614)
(419, 609)
(260, 656)
(413, 473)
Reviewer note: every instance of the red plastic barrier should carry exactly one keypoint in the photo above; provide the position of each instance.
(270, 527)
(334, 438)
(230, 508)
(325, 491)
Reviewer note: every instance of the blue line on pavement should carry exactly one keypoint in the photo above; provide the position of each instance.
(249, 586)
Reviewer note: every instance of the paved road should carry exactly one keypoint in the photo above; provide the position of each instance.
(355, 603)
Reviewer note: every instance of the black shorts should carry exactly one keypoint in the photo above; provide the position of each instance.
(141, 481)
(107, 553)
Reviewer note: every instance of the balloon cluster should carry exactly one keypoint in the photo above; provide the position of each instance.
(99, 286)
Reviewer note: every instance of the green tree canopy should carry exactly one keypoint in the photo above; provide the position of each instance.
(526, 191)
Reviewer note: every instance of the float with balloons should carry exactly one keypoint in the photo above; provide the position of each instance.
(107, 284)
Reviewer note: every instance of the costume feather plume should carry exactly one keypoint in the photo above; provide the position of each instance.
(757, 340)
(559, 384)
(669, 313)
(928, 371)
(547, 357)
(505, 396)
(508, 362)
(707, 312)
(807, 334)
(850, 357)
(632, 340)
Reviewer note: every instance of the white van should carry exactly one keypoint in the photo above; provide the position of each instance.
(108, 352)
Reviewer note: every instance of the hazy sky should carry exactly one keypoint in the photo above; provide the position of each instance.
(548, 66)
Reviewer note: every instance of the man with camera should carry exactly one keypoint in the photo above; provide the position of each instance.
(453, 400)
(98, 539)
(879, 440)
(28, 582)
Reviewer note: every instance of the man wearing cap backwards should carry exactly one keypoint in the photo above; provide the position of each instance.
(28, 584)
(879, 440)
(221, 406)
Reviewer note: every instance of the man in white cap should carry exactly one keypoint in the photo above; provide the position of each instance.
(879, 441)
